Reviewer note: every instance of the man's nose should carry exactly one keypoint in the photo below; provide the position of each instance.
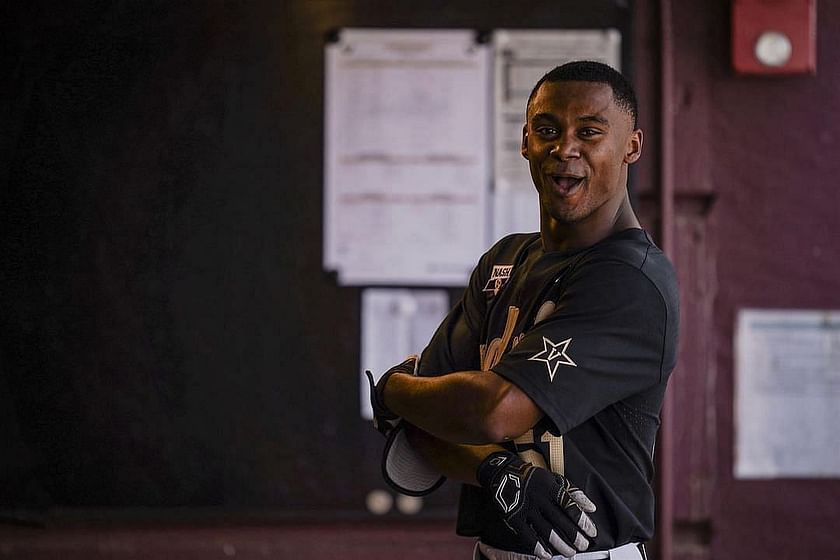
(565, 148)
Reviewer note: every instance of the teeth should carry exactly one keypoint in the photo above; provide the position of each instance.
(566, 183)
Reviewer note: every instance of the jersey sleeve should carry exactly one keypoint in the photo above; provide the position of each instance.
(604, 341)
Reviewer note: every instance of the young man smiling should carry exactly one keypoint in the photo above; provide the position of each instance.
(579, 143)
(541, 389)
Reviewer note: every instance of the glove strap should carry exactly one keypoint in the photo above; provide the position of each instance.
(495, 463)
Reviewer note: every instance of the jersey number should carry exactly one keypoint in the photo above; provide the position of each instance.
(554, 451)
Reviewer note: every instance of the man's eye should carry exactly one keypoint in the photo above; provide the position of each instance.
(547, 131)
(589, 132)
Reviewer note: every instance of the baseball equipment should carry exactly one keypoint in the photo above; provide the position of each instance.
(547, 513)
(404, 469)
(383, 419)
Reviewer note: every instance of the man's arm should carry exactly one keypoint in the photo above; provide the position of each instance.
(548, 514)
(455, 461)
(472, 407)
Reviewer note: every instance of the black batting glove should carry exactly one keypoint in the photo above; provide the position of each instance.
(547, 513)
(383, 419)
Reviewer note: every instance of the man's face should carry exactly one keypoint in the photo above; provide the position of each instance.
(578, 143)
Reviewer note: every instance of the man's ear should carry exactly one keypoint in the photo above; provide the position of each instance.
(523, 149)
(634, 147)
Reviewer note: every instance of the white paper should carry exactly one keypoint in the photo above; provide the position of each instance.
(396, 324)
(522, 57)
(407, 156)
(787, 394)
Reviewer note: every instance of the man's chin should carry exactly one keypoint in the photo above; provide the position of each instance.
(563, 213)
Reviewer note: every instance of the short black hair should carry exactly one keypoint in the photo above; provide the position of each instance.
(598, 72)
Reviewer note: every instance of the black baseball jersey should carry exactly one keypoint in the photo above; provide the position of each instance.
(591, 337)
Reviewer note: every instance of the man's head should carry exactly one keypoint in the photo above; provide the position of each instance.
(579, 138)
(596, 72)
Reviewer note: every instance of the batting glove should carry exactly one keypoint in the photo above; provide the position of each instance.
(383, 419)
(547, 513)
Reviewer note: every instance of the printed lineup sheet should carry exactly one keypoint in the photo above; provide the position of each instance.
(395, 324)
(407, 156)
(787, 394)
(522, 57)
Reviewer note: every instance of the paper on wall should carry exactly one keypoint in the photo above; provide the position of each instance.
(407, 156)
(787, 394)
(395, 324)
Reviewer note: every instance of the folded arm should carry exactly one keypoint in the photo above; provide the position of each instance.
(451, 419)
(548, 514)
(472, 407)
(454, 461)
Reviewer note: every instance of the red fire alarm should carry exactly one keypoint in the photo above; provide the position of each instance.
(774, 36)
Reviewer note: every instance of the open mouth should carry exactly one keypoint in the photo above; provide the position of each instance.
(565, 185)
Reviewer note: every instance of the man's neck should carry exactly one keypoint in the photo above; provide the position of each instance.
(568, 237)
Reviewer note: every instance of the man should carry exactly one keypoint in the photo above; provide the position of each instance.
(553, 366)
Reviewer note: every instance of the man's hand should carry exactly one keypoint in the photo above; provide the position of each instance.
(547, 513)
(383, 419)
